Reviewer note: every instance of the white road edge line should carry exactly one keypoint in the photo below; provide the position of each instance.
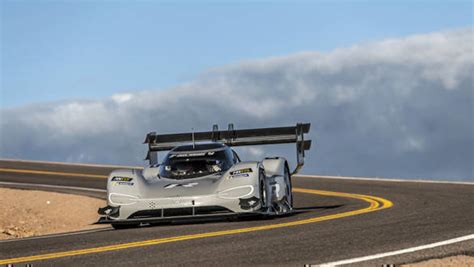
(55, 186)
(398, 252)
(383, 179)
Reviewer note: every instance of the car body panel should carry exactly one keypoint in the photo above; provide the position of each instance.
(236, 192)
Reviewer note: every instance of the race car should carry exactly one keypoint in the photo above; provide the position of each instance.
(203, 177)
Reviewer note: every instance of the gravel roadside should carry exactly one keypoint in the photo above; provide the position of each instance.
(26, 213)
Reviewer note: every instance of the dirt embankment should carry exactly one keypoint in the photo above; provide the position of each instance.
(25, 213)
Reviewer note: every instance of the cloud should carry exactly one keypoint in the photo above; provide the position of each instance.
(393, 108)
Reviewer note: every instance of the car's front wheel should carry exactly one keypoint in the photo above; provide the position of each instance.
(263, 190)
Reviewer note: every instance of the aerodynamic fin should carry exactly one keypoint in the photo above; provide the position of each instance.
(231, 137)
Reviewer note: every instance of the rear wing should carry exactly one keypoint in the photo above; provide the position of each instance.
(231, 137)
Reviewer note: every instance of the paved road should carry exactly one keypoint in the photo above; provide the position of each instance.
(329, 227)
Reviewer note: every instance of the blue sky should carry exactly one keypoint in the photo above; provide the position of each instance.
(56, 50)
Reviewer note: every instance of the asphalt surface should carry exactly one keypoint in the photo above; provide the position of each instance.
(422, 213)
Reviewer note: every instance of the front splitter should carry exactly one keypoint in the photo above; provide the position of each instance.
(105, 220)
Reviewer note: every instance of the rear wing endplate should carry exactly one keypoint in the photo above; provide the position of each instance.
(231, 137)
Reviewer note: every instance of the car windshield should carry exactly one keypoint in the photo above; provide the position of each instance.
(194, 164)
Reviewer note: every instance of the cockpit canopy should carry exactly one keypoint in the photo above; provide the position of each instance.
(190, 161)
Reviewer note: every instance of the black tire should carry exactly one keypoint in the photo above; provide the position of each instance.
(289, 193)
(263, 190)
(118, 226)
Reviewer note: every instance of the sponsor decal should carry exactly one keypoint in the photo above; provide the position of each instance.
(123, 183)
(169, 186)
(241, 171)
(121, 179)
(239, 175)
(195, 154)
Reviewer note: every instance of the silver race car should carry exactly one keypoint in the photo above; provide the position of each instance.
(203, 177)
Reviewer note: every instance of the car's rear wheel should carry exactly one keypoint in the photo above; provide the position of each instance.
(289, 187)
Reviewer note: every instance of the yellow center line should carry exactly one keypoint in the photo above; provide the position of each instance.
(376, 203)
(53, 173)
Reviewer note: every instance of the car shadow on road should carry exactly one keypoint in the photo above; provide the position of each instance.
(296, 211)
(257, 217)
(313, 208)
(301, 210)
